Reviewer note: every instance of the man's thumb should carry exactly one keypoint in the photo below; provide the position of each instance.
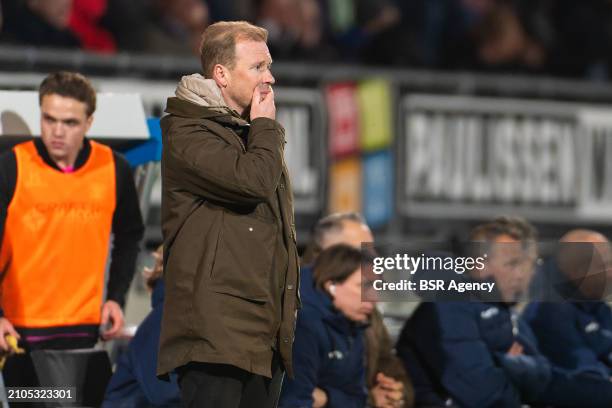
(105, 313)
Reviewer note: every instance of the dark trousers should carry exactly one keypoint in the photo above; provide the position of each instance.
(576, 390)
(206, 385)
(19, 369)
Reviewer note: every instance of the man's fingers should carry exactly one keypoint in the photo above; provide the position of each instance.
(392, 384)
(3, 344)
(118, 321)
(112, 331)
(13, 332)
(262, 104)
(387, 382)
(516, 349)
(6, 328)
(105, 313)
(269, 95)
(109, 313)
(395, 395)
(256, 96)
(116, 317)
(381, 377)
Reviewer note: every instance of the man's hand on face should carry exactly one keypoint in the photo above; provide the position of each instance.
(388, 392)
(262, 103)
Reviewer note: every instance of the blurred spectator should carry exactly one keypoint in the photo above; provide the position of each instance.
(575, 334)
(359, 26)
(328, 350)
(503, 41)
(85, 23)
(436, 33)
(576, 35)
(126, 20)
(295, 28)
(38, 22)
(235, 10)
(134, 383)
(479, 353)
(554, 37)
(386, 379)
(58, 23)
(175, 26)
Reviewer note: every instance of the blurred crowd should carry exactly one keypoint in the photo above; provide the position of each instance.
(553, 37)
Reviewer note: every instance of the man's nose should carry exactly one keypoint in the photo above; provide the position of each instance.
(269, 78)
(58, 129)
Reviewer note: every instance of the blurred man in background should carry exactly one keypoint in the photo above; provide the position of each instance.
(575, 330)
(61, 197)
(478, 353)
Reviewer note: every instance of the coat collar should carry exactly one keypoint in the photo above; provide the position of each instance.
(201, 98)
(80, 160)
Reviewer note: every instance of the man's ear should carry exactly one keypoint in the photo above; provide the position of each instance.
(221, 75)
(88, 122)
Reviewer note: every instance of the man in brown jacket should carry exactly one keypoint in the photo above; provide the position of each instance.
(231, 264)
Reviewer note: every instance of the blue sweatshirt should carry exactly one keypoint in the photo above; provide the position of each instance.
(574, 335)
(134, 383)
(462, 350)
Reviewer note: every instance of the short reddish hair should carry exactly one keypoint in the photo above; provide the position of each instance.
(219, 40)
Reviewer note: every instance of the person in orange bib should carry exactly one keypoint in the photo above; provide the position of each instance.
(61, 198)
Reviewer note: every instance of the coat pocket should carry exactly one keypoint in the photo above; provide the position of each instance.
(243, 260)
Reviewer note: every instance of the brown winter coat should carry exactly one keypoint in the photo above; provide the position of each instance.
(231, 264)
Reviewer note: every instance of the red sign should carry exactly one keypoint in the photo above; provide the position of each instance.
(343, 119)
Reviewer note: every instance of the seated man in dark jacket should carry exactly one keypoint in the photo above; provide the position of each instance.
(478, 353)
(575, 330)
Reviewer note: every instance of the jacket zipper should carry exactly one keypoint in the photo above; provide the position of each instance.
(515, 327)
(239, 138)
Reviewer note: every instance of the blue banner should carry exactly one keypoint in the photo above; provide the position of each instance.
(378, 185)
